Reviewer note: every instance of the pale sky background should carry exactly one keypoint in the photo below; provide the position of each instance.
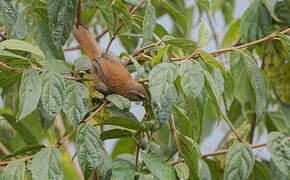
(211, 142)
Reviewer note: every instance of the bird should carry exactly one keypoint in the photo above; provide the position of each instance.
(108, 74)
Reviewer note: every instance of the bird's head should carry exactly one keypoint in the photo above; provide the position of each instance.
(137, 92)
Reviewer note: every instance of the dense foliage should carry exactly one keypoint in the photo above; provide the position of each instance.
(46, 131)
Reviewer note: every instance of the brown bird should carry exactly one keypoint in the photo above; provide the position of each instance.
(108, 74)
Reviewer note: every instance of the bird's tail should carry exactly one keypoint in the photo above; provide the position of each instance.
(86, 41)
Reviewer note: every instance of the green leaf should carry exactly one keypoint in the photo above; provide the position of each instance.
(157, 59)
(260, 172)
(204, 34)
(185, 44)
(191, 154)
(279, 147)
(14, 21)
(233, 33)
(61, 16)
(52, 95)
(107, 13)
(14, 171)
(184, 119)
(285, 39)
(205, 4)
(24, 132)
(10, 55)
(124, 170)
(76, 102)
(120, 113)
(46, 164)
(191, 78)
(128, 123)
(270, 4)
(124, 146)
(58, 66)
(25, 151)
(255, 23)
(121, 102)
(158, 166)
(43, 38)
(91, 154)
(161, 80)
(204, 170)
(257, 81)
(19, 45)
(35, 10)
(148, 24)
(182, 170)
(115, 133)
(160, 31)
(240, 162)
(277, 69)
(277, 121)
(82, 63)
(177, 16)
(29, 92)
(121, 10)
(282, 9)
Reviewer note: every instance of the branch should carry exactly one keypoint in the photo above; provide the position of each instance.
(175, 137)
(122, 24)
(223, 151)
(146, 47)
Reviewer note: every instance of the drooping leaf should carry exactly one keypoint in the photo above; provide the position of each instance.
(58, 66)
(191, 78)
(158, 166)
(282, 9)
(14, 21)
(124, 146)
(148, 24)
(29, 92)
(115, 133)
(120, 101)
(285, 39)
(279, 147)
(232, 34)
(204, 33)
(14, 171)
(190, 151)
(76, 102)
(240, 162)
(91, 154)
(61, 16)
(182, 170)
(52, 95)
(255, 23)
(19, 45)
(185, 121)
(46, 164)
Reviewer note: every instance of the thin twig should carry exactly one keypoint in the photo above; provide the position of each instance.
(8, 67)
(137, 154)
(175, 137)
(146, 47)
(271, 36)
(122, 24)
(223, 151)
(22, 159)
(71, 48)
(231, 126)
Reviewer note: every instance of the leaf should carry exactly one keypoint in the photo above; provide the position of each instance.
(285, 39)
(282, 11)
(182, 170)
(120, 113)
(52, 95)
(121, 102)
(35, 10)
(257, 82)
(148, 24)
(10, 55)
(240, 162)
(124, 170)
(191, 78)
(204, 33)
(124, 146)
(58, 66)
(25, 151)
(46, 164)
(29, 92)
(115, 133)
(277, 69)
(157, 59)
(14, 171)
(61, 16)
(107, 13)
(76, 102)
(185, 44)
(270, 4)
(24, 132)
(255, 23)
(205, 4)
(158, 166)
(19, 45)
(260, 172)
(191, 154)
(91, 154)
(204, 170)
(82, 63)
(122, 11)
(184, 119)
(43, 38)
(233, 33)
(278, 121)
(160, 31)
(128, 123)
(279, 147)
(14, 21)
(161, 80)
(177, 16)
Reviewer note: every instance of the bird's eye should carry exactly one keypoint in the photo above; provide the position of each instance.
(140, 96)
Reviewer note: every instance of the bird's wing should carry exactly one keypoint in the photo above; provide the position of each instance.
(98, 67)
